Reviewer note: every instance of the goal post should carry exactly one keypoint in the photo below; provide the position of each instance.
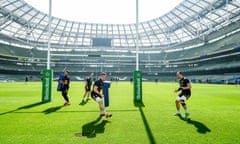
(137, 76)
(47, 74)
(47, 78)
(137, 86)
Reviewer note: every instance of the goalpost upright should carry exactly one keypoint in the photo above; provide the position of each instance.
(137, 73)
(47, 74)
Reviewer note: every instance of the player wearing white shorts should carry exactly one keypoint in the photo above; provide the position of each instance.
(185, 88)
(98, 96)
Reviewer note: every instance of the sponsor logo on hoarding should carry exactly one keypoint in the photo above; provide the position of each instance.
(138, 89)
(138, 75)
(46, 96)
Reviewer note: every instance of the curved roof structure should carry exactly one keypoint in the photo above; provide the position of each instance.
(105, 11)
(192, 19)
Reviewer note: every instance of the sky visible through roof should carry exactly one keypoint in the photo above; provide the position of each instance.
(105, 11)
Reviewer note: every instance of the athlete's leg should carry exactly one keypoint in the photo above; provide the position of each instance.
(85, 94)
(64, 94)
(178, 106)
(185, 108)
(102, 107)
(178, 102)
(88, 95)
(184, 105)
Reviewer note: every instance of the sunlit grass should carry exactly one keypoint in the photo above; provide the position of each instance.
(214, 115)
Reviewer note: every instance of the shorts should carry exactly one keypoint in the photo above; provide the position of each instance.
(182, 98)
(96, 97)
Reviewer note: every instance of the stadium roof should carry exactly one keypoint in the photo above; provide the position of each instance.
(105, 11)
(191, 19)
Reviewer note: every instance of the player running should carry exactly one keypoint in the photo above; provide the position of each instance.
(65, 87)
(98, 96)
(185, 88)
(88, 85)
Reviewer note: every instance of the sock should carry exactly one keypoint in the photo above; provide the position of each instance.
(103, 112)
(178, 111)
(186, 111)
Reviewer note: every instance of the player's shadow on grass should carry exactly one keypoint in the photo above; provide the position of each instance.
(147, 127)
(201, 128)
(91, 129)
(52, 109)
(31, 105)
(24, 107)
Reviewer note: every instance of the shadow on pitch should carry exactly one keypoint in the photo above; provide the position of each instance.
(24, 107)
(52, 109)
(147, 127)
(56, 109)
(201, 128)
(91, 129)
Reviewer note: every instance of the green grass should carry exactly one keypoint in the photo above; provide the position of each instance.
(215, 115)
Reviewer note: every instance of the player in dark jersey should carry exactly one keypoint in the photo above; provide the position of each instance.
(185, 88)
(98, 96)
(65, 87)
(88, 85)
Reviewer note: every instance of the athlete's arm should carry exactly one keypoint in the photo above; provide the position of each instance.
(65, 82)
(95, 89)
(189, 86)
(176, 90)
